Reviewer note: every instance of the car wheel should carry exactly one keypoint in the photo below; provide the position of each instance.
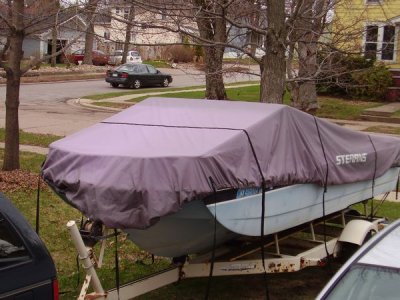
(136, 84)
(114, 84)
(165, 82)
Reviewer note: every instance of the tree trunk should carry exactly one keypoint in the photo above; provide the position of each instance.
(213, 28)
(89, 36)
(129, 26)
(306, 32)
(304, 92)
(53, 46)
(13, 75)
(273, 65)
(215, 88)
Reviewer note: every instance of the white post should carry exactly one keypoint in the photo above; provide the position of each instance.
(84, 256)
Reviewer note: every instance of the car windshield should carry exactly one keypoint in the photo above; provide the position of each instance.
(134, 53)
(365, 282)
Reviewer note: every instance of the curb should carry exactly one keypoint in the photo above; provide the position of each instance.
(56, 79)
(82, 102)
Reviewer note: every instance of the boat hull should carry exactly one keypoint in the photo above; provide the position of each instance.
(191, 230)
(295, 205)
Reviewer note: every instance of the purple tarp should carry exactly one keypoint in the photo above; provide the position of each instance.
(146, 161)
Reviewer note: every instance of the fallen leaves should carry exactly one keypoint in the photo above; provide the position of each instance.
(11, 181)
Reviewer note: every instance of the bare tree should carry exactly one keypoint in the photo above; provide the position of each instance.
(273, 64)
(18, 20)
(212, 27)
(90, 9)
(128, 33)
(309, 20)
(274, 33)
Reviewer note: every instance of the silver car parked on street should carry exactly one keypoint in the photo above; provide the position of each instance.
(132, 57)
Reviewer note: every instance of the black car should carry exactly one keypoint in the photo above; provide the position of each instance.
(136, 76)
(27, 270)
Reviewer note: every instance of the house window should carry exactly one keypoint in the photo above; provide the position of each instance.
(388, 43)
(119, 46)
(107, 34)
(372, 1)
(371, 42)
(126, 13)
(117, 10)
(379, 42)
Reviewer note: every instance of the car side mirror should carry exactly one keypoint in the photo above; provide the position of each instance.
(158, 72)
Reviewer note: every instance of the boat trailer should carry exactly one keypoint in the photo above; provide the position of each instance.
(288, 251)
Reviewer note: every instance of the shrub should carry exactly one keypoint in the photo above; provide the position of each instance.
(179, 53)
(353, 76)
(371, 83)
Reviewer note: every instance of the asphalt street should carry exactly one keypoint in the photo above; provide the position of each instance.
(44, 107)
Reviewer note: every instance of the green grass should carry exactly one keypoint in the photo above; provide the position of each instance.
(157, 63)
(135, 92)
(33, 139)
(114, 104)
(246, 93)
(336, 108)
(329, 107)
(155, 90)
(396, 114)
(389, 210)
(28, 161)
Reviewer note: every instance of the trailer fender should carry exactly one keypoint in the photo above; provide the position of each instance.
(356, 231)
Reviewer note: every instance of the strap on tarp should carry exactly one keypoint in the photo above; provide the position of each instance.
(325, 185)
(373, 178)
(207, 295)
(263, 184)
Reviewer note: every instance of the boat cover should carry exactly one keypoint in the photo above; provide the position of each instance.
(145, 162)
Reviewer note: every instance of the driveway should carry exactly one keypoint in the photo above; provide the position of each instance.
(44, 108)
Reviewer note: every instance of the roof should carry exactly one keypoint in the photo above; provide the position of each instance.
(385, 252)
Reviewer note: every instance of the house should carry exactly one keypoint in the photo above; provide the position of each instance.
(110, 30)
(370, 27)
(71, 28)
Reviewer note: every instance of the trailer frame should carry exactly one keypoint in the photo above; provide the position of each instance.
(229, 262)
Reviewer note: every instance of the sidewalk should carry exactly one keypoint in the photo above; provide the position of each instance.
(29, 148)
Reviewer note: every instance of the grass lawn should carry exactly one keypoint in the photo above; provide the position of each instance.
(157, 63)
(334, 108)
(34, 139)
(396, 114)
(124, 92)
(135, 263)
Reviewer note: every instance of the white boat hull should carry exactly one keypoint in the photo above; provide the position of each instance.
(191, 230)
(295, 205)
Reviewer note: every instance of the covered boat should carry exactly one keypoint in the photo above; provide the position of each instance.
(162, 169)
